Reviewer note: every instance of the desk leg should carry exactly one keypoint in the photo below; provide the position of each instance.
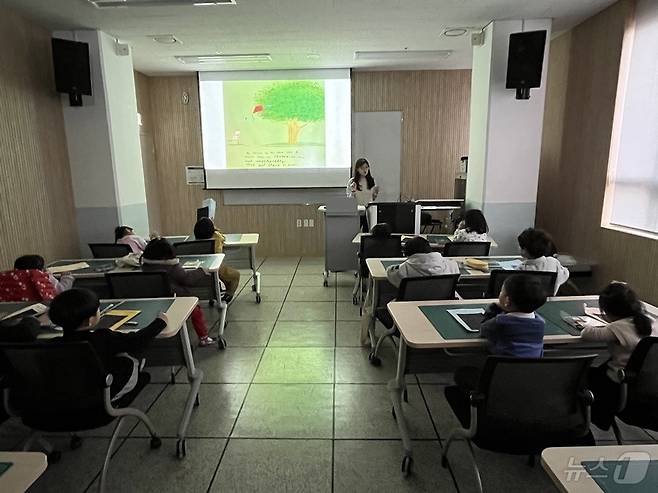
(396, 388)
(194, 377)
(374, 285)
(222, 307)
(255, 275)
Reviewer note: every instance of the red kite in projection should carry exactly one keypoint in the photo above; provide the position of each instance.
(257, 109)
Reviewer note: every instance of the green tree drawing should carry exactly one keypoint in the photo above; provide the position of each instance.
(297, 103)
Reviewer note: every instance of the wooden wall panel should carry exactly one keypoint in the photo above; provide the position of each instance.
(435, 105)
(582, 84)
(38, 214)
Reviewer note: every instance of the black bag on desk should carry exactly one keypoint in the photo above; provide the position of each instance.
(24, 329)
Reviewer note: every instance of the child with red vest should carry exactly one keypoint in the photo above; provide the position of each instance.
(29, 281)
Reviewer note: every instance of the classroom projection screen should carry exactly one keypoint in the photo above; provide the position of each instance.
(276, 129)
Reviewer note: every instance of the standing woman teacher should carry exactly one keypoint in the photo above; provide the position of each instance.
(362, 186)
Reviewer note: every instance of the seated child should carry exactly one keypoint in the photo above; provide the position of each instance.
(76, 311)
(628, 324)
(510, 326)
(473, 228)
(124, 235)
(29, 281)
(204, 229)
(537, 248)
(159, 255)
(421, 262)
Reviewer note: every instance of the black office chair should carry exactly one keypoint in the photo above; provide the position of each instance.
(638, 403)
(196, 247)
(497, 278)
(109, 250)
(139, 285)
(522, 406)
(374, 247)
(430, 288)
(63, 387)
(466, 249)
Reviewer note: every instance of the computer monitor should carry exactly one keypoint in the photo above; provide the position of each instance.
(403, 217)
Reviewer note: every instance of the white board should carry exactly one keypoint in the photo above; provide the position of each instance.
(377, 136)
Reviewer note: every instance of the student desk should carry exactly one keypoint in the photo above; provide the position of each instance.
(565, 467)
(377, 274)
(442, 344)
(170, 348)
(25, 469)
(237, 241)
(437, 241)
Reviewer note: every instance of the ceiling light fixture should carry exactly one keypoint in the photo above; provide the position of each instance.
(403, 55)
(166, 39)
(222, 59)
(108, 4)
(453, 32)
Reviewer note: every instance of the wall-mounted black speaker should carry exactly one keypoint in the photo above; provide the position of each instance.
(72, 73)
(524, 62)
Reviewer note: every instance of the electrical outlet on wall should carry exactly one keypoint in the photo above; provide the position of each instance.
(306, 223)
(299, 223)
(311, 223)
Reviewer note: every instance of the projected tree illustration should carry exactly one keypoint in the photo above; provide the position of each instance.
(297, 103)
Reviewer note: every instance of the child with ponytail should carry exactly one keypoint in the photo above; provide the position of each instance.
(628, 324)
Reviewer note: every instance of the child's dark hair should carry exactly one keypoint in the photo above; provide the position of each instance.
(381, 230)
(28, 262)
(537, 242)
(526, 293)
(415, 245)
(121, 231)
(72, 307)
(204, 229)
(620, 301)
(369, 179)
(159, 249)
(474, 221)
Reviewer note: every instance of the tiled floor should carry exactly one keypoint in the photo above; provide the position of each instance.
(291, 405)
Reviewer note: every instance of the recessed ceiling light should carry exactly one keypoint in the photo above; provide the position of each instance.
(220, 59)
(108, 4)
(166, 39)
(403, 55)
(453, 32)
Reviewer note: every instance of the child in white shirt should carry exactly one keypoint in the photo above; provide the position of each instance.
(473, 227)
(421, 262)
(537, 248)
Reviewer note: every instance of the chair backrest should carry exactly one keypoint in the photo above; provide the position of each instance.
(53, 378)
(196, 247)
(202, 212)
(154, 284)
(383, 247)
(533, 396)
(428, 288)
(643, 384)
(466, 249)
(497, 279)
(109, 250)
(400, 215)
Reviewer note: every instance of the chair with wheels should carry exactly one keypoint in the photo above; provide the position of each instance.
(196, 247)
(374, 247)
(63, 387)
(109, 250)
(522, 406)
(497, 278)
(638, 403)
(414, 289)
(467, 249)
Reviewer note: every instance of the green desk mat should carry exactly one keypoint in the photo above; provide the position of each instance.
(149, 310)
(449, 328)
(4, 467)
(95, 265)
(625, 476)
(551, 311)
(233, 237)
(388, 263)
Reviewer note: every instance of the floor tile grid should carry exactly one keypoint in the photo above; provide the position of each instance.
(228, 439)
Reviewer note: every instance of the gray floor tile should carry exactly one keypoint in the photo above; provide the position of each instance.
(276, 268)
(162, 374)
(344, 293)
(286, 411)
(137, 468)
(248, 310)
(346, 279)
(251, 465)
(374, 465)
(306, 333)
(439, 378)
(312, 261)
(76, 469)
(348, 333)
(308, 310)
(219, 406)
(232, 365)
(630, 434)
(269, 293)
(345, 310)
(311, 269)
(281, 261)
(311, 293)
(444, 419)
(308, 280)
(500, 472)
(352, 366)
(364, 411)
(248, 333)
(267, 280)
(296, 365)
